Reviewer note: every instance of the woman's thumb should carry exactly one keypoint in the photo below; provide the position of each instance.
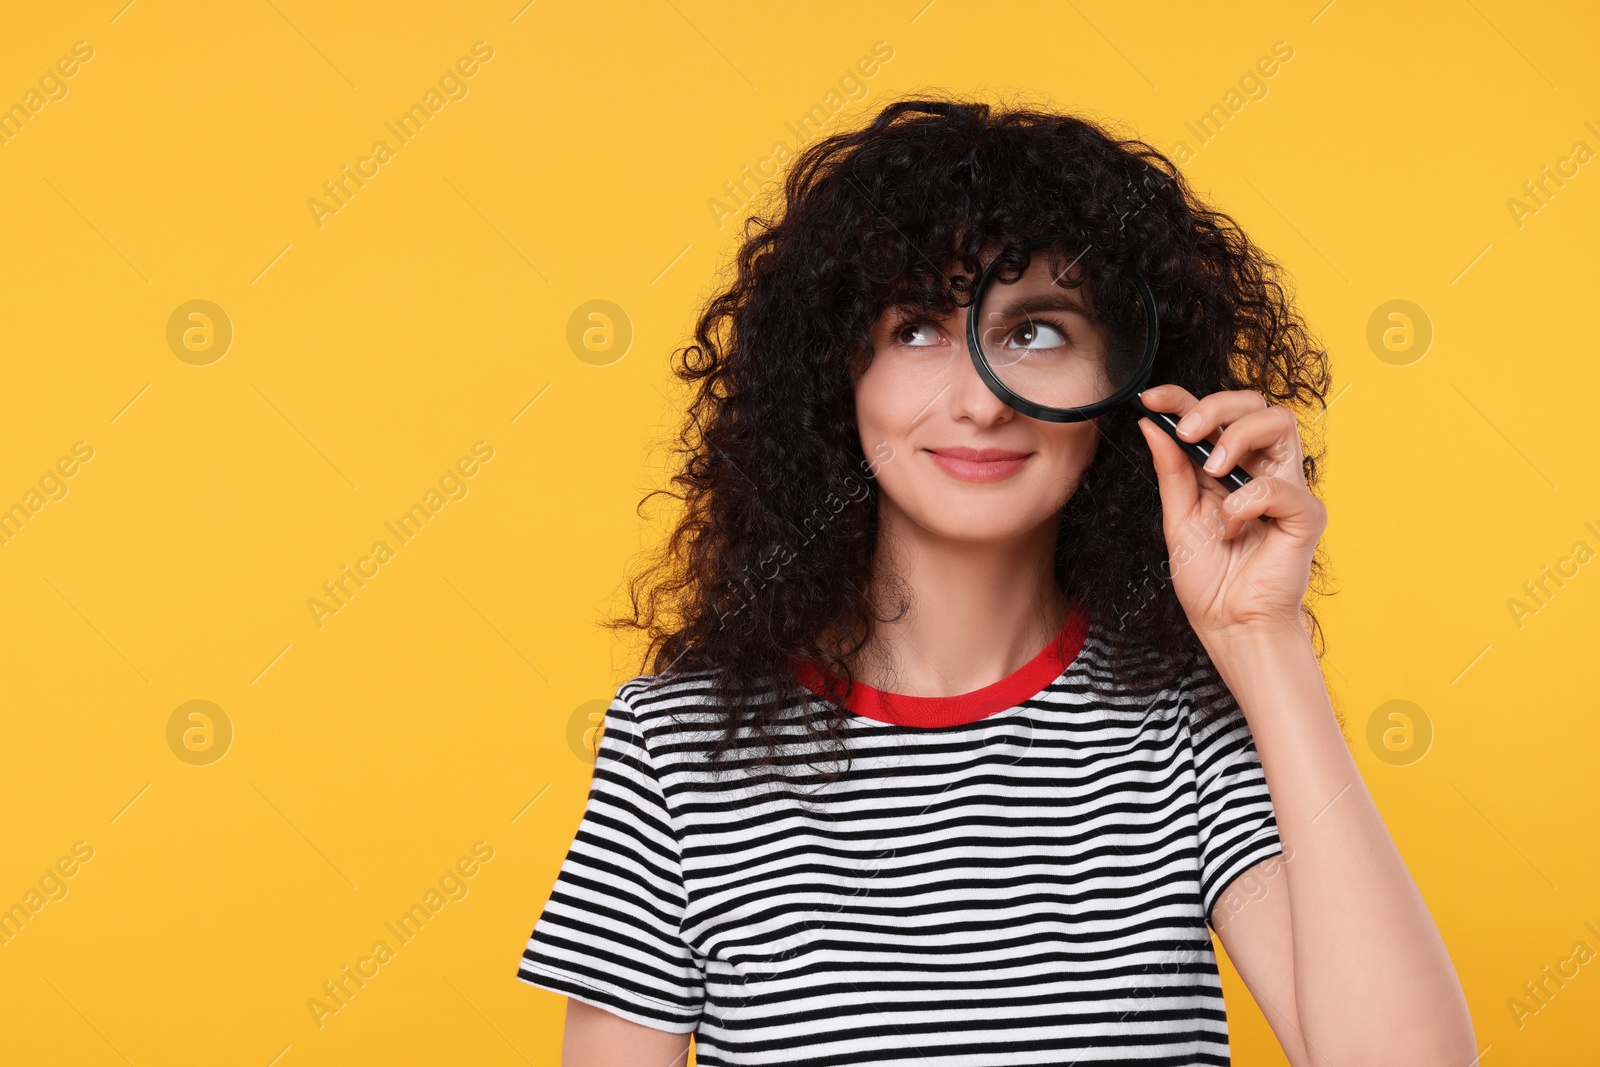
(1175, 473)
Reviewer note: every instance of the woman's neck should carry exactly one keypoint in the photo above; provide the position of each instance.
(976, 612)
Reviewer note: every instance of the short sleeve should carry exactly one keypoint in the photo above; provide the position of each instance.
(610, 933)
(1238, 826)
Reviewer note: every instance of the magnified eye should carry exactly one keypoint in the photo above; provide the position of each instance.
(1036, 335)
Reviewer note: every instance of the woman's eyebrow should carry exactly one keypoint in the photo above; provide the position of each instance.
(1045, 302)
(902, 311)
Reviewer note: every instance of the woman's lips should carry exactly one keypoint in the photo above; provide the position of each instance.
(978, 464)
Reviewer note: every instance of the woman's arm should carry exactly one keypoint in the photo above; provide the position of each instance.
(1368, 978)
(1254, 929)
(1355, 950)
(594, 1037)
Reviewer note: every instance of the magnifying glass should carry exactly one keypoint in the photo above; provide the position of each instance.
(1057, 352)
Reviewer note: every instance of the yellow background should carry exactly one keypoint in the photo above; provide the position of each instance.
(435, 709)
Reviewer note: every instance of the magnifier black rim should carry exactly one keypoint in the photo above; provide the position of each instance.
(1041, 411)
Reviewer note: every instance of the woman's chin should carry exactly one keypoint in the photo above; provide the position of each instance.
(991, 521)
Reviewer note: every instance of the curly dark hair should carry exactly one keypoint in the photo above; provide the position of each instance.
(776, 540)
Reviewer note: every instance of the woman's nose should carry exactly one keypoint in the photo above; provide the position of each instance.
(969, 394)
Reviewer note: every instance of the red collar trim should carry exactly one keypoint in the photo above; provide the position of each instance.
(902, 710)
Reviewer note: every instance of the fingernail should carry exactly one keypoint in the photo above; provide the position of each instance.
(1214, 465)
(1189, 423)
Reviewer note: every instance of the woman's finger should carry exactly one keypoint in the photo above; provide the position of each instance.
(1176, 477)
(1292, 506)
(1267, 442)
(1200, 417)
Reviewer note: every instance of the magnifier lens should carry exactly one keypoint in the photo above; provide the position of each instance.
(1058, 337)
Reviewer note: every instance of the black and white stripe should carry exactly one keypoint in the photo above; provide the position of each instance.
(1029, 888)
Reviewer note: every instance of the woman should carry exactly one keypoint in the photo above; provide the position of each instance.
(962, 726)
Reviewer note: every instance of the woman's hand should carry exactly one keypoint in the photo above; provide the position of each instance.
(1234, 574)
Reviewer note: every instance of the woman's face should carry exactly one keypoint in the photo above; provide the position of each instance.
(963, 465)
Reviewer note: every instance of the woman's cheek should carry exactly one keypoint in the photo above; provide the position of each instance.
(1072, 450)
(884, 419)
(883, 410)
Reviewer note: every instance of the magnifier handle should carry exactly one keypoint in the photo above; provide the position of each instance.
(1199, 451)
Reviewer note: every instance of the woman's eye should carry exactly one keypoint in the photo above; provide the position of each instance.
(917, 334)
(1037, 335)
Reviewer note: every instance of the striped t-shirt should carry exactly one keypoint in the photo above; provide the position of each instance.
(1019, 875)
